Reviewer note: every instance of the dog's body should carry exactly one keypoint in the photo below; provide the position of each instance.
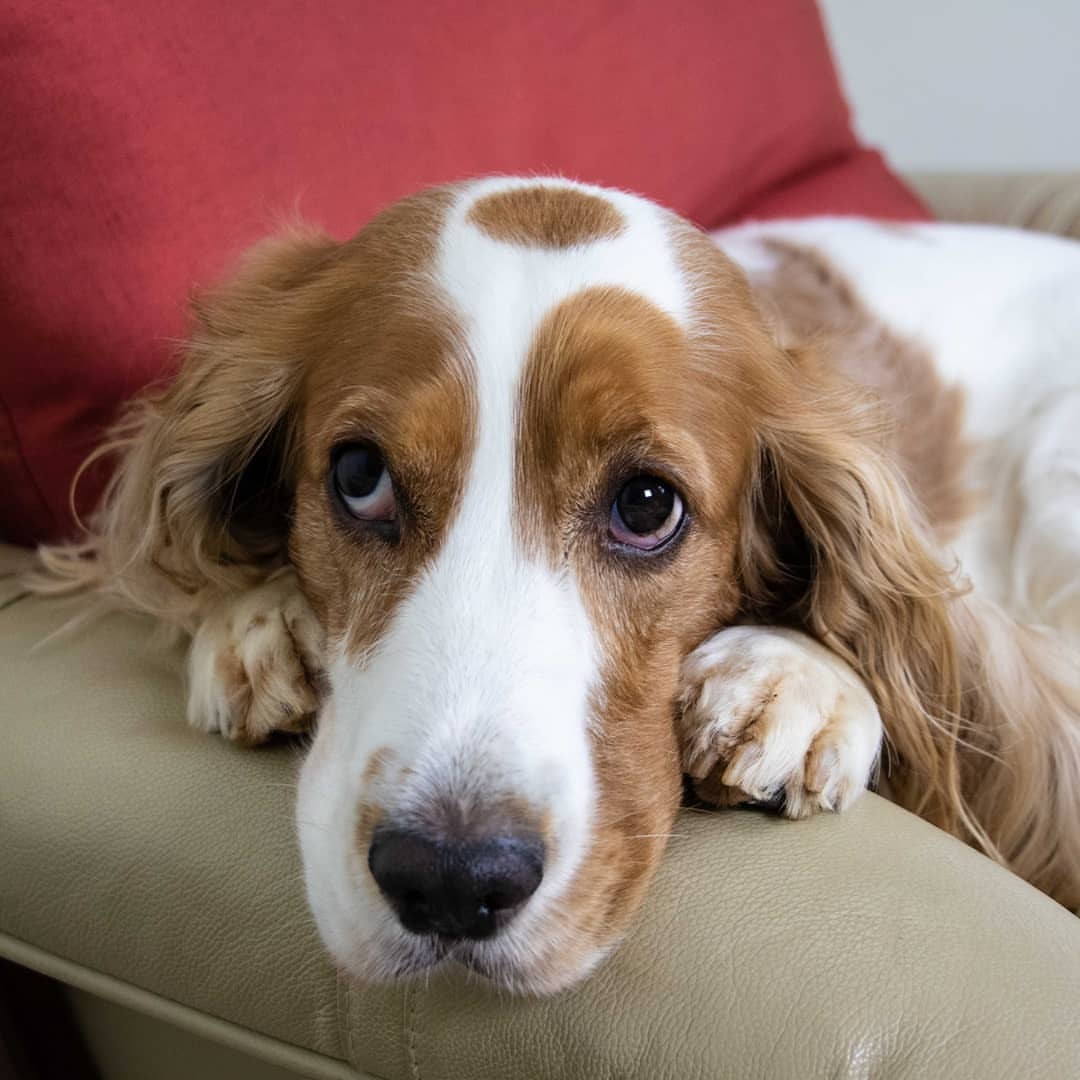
(996, 312)
(969, 335)
(546, 506)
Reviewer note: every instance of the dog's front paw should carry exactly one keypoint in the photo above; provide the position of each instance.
(773, 716)
(254, 664)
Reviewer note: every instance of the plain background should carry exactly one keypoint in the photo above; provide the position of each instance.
(963, 84)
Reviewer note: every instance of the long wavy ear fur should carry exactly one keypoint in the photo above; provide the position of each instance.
(982, 714)
(833, 543)
(198, 503)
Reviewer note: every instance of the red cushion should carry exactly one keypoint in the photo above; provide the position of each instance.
(146, 144)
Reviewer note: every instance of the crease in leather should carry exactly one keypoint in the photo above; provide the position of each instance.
(137, 998)
(139, 848)
(11, 601)
(868, 944)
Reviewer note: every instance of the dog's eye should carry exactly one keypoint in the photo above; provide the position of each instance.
(363, 483)
(646, 513)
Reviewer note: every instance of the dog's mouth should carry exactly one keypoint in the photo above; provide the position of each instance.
(510, 965)
(425, 954)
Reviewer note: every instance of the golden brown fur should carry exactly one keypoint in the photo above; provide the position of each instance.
(170, 539)
(982, 714)
(212, 469)
(543, 216)
(608, 390)
(809, 510)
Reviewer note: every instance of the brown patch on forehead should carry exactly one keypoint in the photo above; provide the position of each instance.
(546, 216)
(812, 303)
(385, 365)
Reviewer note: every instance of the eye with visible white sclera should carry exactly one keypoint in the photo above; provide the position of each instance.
(362, 483)
(646, 513)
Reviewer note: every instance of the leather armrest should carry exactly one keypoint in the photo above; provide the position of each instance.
(153, 864)
(868, 944)
(1045, 202)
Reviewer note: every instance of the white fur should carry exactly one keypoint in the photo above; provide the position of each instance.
(271, 635)
(482, 682)
(999, 311)
(788, 716)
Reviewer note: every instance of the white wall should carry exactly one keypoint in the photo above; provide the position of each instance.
(963, 84)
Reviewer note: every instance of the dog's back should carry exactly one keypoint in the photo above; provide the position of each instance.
(971, 337)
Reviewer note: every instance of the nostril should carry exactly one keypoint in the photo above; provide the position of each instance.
(512, 868)
(456, 888)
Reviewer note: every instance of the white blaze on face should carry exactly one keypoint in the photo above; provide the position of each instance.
(481, 684)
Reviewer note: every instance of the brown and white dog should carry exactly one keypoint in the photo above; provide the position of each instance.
(540, 500)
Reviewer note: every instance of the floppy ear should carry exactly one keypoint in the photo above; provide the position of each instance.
(833, 543)
(199, 501)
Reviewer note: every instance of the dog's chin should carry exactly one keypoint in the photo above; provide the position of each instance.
(499, 962)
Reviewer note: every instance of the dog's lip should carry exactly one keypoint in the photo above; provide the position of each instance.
(435, 949)
(441, 952)
(457, 950)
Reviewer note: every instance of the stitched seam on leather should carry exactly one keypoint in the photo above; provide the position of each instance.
(412, 996)
(344, 1011)
(102, 984)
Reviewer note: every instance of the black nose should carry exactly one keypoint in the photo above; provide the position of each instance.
(461, 889)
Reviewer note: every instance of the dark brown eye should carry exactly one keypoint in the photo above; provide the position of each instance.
(362, 482)
(646, 513)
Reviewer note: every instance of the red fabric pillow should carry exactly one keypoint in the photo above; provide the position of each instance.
(145, 145)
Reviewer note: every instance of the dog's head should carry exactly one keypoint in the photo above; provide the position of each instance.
(527, 443)
(515, 512)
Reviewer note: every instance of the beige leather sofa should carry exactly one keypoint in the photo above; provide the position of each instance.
(153, 873)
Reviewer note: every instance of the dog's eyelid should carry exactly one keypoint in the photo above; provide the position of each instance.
(358, 434)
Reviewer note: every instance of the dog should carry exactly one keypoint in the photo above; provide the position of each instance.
(542, 498)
